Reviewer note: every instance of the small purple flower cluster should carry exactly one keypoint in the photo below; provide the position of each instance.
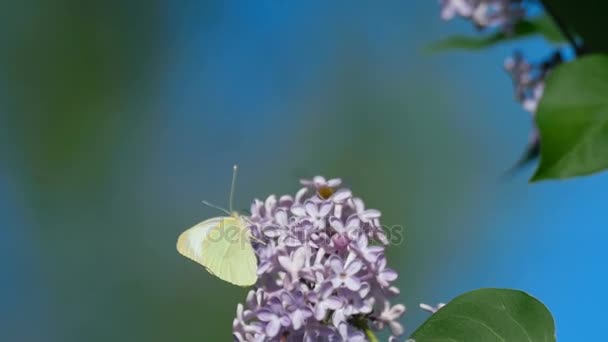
(503, 14)
(320, 276)
(529, 82)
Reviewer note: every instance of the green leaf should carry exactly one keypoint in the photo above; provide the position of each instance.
(489, 315)
(544, 26)
(573, 119)
(541, 25)
(583, 17)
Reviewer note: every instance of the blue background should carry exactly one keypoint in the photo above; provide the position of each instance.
(118, 118)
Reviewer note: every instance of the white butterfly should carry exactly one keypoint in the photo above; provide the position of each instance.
(222, 245)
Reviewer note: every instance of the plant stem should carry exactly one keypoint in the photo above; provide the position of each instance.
(370, 334)
(578, 50)
(361, 324)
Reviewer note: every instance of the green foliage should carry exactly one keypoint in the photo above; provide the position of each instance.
(573, 119)
(538, 26)
(583, 17)
(489, 315)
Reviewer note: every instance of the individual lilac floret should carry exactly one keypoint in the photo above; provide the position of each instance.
(453, 8)
(502, 14)
(430, 308)
(325, 188)
(320, 182)
(323, 275)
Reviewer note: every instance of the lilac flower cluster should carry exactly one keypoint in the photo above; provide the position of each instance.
(503, 14)
(320, 276)
(529, 82)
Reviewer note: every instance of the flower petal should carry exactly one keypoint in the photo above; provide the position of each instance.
(239, 312)
(311, 208)
(336, 224)
(299, 257)
(285, 321)
(281, 218)
(319, 256)
(397, 310)
(333, 303)
(297, 319)
(326, 289)
(341, 195)
(352, 283)
(298, 210)
(335, 263)
(396, 328)
(364, 290)
(381, 237)
(393, 290)
(285, 262)
(306, 182)
(369, 215)
(338, 317)
(388, 275)
(353, 222)
(325, 209)
(285, 200)
(336, 282)
(367, 306)
(382, 263)
(343, 329)
(270, 204)
(264, 267)
(272, 231)
(250, 300)
(354, 267)
(299, 195)
(266, 315)
(287, 299)
(338, 210)
(319, 181)
(320, 311)
(272, 328)
(256, 207)
(428, 308)
(334, 182)
(358, 204)
(292, 241)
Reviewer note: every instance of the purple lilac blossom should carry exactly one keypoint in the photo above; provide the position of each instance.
(529, 83)
(320, 276)
(502, 14)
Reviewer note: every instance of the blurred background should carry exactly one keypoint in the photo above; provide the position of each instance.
(117, 118)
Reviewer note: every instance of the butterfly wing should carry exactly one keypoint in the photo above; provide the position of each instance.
(222, 246)
(190, 242)
(228, 254)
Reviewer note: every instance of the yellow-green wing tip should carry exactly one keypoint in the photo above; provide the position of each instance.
(248, 283)
(182, 246)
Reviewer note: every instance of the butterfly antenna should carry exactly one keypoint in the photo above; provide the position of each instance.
(234, 169)
(257, 240)
(216, 207)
